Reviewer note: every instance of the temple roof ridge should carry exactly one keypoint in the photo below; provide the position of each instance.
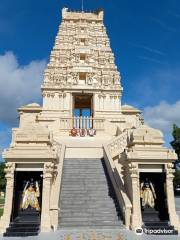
(96, 15)
(127, 108)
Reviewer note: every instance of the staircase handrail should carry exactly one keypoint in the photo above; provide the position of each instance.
(118, 184)
(118, 144)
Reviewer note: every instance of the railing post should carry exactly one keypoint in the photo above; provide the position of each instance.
(91, 122)
(78, 121)
(80, 125)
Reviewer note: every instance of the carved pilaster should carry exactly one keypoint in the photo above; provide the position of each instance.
(5, 220)
(47, 182)
(174, 220)
(136, 219)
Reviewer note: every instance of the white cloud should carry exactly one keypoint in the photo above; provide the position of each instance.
(5, 139)
(163, 116)
(19, 85)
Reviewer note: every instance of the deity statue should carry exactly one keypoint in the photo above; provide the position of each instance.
(89, 78)
(92, 132)
(30, 196)
(148, 194)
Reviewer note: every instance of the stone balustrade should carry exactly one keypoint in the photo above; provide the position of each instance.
(67, 123)
(118, 144)
(112, 149)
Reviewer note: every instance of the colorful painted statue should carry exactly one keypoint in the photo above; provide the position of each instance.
(148, 194)
(31, 194)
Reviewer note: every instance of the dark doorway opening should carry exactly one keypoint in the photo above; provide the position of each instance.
(20, 180)
(83, 105)
(160, 210)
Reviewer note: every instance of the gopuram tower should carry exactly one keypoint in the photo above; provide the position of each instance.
(87, 160)
(82, 73)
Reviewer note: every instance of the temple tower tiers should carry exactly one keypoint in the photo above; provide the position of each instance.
(82, 69)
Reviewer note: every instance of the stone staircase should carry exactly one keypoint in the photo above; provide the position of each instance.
(27, 223)
(87, 198)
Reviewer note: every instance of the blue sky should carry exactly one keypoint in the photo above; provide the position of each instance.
(145, 37)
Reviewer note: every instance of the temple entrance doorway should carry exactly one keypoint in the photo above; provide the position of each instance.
(83, 113)
(22, 181)
(83, 105)
(26, 208)
(153, 197)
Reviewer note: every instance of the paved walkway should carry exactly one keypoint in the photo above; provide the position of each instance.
(96, 235)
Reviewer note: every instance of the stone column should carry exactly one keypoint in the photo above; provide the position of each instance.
(60, 106)
(173, 217)
(111, 102)
(136, 218)
(5, 220)
(64, 101)
(104, 101)
(48, 101)
(99, 102)
(47, 181)
(44, 99)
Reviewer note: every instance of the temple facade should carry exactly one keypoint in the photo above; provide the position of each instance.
(82, 118)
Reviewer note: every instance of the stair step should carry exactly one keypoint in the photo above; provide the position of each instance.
(92, 224)
(87, 202)
(21, 229)
(23, 225)
(75, 183)
(85, 191)
(100, 211)
(89, 205)
(27, 223)
(85, 198)
(85, 214)
(85, 178)
(20, 234)
(87, 219)
(88, 188)
(83, 171)
(78, 196)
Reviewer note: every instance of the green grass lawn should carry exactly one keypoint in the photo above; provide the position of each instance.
(2, 200)
(1, 212)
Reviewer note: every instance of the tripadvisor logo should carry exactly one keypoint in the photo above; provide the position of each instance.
(139, 231)
(160, 231)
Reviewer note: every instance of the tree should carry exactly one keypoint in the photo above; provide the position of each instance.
(176, 142)
(2, 177)
(176, 145)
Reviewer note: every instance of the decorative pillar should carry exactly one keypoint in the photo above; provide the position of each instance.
(60, 106)
(44, 99)
(48, 101)
(111, 102)
(56, 101)
(64, 101)
(136, 218)
(52, 102)
(173, 217)
(47, 182)
(5, 220)
(99, 102)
